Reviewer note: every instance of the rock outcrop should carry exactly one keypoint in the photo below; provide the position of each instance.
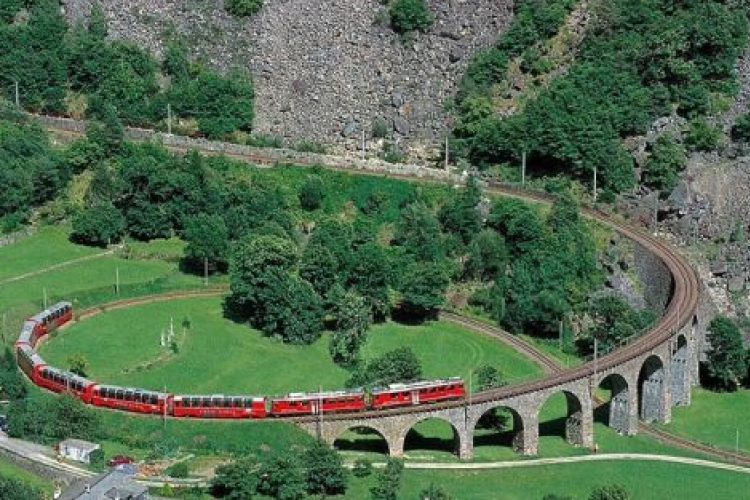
(325, 70)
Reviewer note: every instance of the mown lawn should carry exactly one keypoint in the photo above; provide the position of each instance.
(47, 247)
(643, 480)
(715, 418)
(217, 355)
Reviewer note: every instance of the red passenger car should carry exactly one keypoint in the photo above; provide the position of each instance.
(30, 362)
(418, 393)
(130, 399)
(309, 403)
(28, 334)
(50, 319)
(218, 406)
(58, 380)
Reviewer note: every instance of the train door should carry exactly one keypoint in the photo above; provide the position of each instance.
(415, 397)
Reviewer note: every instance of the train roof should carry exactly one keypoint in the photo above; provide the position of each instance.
(223, 396)
(54, 307)
(297, 396)
(70, 375)
(131, 389)
(30, 353)
(28, 329)
(418, 385)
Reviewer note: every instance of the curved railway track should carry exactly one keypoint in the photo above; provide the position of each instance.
(678, 313)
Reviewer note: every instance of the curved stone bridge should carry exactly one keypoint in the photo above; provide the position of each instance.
(646, 378)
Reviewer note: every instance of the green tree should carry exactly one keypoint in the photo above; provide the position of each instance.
(207, 239)
(666, 161)
(320, 268)
(312, 192)
(78, 364)
(325, 470)
(460, 215)
(257, 263)
(488, 377)
(282, 476)
(242, 8)
(418, 232)
(741, 128)
(409, 15)
(236, 480)
(352, 319)
(13, 489)
(388, 481)
(487, 256)
(726, 360)
(398, 365)
(292, 310)
(612, 492)
(100, 225)
(423, 289)
(370, 276)
(97, 460)
(11, 383)
(70, 417)
(703, 136)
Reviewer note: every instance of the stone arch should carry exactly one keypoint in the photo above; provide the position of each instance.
(512, 434)
(411, 439)
(362, 438)
(652, 406)
(577, 421)
(680, 372)
(616, 413)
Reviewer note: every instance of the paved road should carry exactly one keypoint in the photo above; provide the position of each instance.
(585, 458)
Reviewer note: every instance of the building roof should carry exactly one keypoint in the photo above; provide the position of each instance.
(108, 486)
(80, 444)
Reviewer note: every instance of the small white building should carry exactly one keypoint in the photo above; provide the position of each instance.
(77, 449)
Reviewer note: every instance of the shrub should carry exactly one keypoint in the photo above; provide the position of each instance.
(242, 8)
(379, 128)
(362, 467)
(741, 129)
(311, 193)
(96, 459)
(178, 470)
(409, 15)
(702, 135)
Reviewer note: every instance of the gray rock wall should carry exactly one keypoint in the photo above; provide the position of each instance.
(325, 70)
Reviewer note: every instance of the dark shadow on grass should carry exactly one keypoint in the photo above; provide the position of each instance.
(366, 440)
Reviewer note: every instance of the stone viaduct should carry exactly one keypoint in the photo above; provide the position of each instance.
(646, 378)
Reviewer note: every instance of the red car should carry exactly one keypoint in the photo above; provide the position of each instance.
(307, 403)
(418, 393)
(119, 460)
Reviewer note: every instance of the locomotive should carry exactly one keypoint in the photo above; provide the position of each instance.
(218, 406)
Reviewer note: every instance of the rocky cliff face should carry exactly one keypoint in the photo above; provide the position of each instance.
(325, 70)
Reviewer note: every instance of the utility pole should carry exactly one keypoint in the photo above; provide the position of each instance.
(561, 335)
(523, 169)
(447, 152)
(165, 406)
(595, 184)
(18, 100)
(205, 270)
(169, 119)
(117, 280)
(656, 210)
(363, 144)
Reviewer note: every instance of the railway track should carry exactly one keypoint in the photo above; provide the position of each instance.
(678, 313)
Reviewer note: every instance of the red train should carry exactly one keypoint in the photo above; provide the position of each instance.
(45, 322)
(211, 405)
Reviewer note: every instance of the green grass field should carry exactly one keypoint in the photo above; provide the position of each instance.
(47, 247)
(643, 480)
(217, 355)
(715, 418)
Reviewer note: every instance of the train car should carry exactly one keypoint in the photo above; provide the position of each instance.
(58, 380)
(52, 318)
(30, 362)
(218, 406)
(418, 393)
(130, 399)
(310, 403)
(27, 336)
